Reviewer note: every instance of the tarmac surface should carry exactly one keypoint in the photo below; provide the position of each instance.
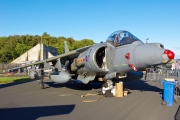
(26, 101)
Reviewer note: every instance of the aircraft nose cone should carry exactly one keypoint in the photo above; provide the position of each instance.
(169, 54)
(146, 55)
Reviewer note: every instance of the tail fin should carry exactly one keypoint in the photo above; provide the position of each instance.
(66, 49)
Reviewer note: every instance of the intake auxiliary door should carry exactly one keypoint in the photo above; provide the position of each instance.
(110, 50)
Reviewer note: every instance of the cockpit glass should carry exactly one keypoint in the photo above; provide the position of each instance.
(120, 37)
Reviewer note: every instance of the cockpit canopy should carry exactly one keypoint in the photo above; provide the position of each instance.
(121, 37)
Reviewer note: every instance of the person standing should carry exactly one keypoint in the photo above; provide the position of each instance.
(173, 69)
(177, 66)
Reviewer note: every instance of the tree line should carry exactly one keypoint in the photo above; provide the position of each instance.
(12, 47)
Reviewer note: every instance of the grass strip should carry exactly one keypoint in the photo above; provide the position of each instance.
(4, 80)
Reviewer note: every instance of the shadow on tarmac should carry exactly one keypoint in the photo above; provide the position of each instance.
(20, 81)
(131, 85)
(177, 115)
(73, 85)
(33, 113)
(140, 85)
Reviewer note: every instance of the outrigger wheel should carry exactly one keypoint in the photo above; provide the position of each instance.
(42, 78)
(41, 85)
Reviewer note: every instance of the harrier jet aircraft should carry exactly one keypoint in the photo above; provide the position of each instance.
(121, 57)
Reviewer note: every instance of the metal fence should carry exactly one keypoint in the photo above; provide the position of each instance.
(5, 66)
(161, 74)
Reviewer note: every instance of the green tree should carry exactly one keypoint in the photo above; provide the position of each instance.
(12, 47)
(21, 48)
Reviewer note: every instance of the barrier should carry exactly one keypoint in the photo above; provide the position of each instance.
(159, 75)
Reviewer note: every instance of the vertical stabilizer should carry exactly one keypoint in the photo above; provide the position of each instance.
(66, 49)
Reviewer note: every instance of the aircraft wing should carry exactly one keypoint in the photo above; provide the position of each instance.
(64, 57)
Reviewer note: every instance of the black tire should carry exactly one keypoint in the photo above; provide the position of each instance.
(163, 102)
(42, 85)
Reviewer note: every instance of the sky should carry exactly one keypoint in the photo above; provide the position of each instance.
(158, 20)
